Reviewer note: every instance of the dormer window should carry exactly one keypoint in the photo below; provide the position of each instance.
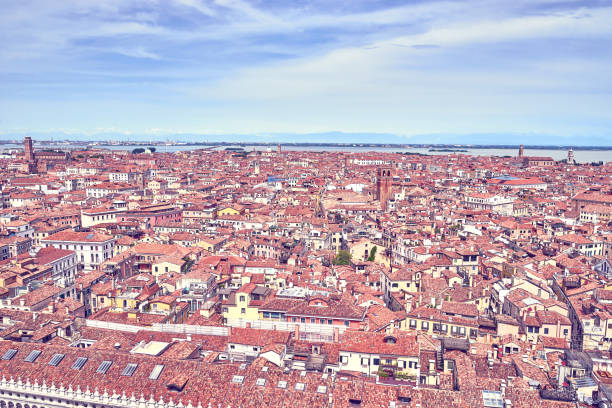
(390, 339)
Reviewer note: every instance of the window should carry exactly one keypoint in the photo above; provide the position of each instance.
(243, 311)
(376, 361)
(365, 361)
(32, 356)
(156, 372)
(104, 366)
(425, 325)
(129, 369)
(546, 330)
(565, 332)
(56, 359)
(79, 363)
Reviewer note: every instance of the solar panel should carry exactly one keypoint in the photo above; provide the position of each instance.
(104, 366)
(129, 369)
(156, 372)
(79, 363)
(32, 356)
(56, 359)
(10, 353)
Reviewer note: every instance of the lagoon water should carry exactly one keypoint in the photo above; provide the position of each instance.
(582, 156)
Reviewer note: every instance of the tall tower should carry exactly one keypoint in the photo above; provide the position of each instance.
(521, 152)
(570, 156)
(383, 186)
(28, 149)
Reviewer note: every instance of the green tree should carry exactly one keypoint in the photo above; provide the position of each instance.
(152, 149)
(342, 258)
(372, 253)
(138, 150)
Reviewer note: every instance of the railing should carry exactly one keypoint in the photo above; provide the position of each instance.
(307, 330)
(161, 327)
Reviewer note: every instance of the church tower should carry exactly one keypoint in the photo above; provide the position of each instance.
(521, 151)
(570, 156)
(28, 149)
(384, 181)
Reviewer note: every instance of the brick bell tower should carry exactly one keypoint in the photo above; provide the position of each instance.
(28, 149)
(384, 180)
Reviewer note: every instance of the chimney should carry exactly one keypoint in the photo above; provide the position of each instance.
(188, 336)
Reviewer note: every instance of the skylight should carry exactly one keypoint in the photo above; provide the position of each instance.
(104, 366)
(492, 399)
(10, 353)
(261, 382)
(129, 369)
(156, 372)
(79, 363)
(56, 359)
(32, 356)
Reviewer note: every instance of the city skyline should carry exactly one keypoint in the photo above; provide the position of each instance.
(427, 72)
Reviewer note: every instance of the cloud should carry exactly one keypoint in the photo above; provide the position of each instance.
(241, 65)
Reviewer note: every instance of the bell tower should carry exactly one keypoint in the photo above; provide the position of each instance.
(384, 180)
(28, 149)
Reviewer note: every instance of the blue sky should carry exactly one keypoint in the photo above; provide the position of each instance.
(520, 71)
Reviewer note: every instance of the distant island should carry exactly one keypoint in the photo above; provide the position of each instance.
(448, 150)
(433, 147)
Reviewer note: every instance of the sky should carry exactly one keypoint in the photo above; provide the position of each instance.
(385, 71)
